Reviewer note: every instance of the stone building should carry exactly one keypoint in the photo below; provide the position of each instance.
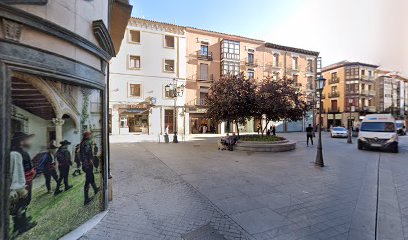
(54, 57)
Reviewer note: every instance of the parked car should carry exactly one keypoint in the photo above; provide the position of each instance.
(378, 131)
(401, 129)
(339, 132)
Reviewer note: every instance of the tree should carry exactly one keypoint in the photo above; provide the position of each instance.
(280, 100)
(232, 99)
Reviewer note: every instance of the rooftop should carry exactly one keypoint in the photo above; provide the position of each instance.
(347, 63)
(267, 44)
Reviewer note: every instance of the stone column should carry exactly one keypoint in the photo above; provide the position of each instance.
(58, 122)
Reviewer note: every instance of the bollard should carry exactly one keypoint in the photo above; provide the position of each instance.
(175, 138)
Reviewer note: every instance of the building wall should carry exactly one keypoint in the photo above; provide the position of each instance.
(150, 75)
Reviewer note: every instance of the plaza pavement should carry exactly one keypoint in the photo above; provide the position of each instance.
(166, 191)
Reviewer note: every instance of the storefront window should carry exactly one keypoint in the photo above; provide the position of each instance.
(56, 160)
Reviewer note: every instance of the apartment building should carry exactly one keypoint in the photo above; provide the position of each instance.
(392, 93)
(212, 54)
(152, 58)
(349, 93)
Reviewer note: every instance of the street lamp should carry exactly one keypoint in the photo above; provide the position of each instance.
(173, 90)
(349, 123)
(320, 81)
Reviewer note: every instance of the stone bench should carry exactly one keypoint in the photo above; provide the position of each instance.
(253, 146)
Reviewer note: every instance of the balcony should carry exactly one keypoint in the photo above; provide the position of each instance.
(251, 62)
(368, 92)
(207, 56)
(333, 94)
(196, 102)
(334, 80)
(205, 78)
(366, 78)
(333, 110)
(309, 70)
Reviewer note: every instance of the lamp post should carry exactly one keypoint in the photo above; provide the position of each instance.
(320, 81)
(173, 90)
(349, 140)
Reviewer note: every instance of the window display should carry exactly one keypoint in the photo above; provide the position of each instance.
(56, 164)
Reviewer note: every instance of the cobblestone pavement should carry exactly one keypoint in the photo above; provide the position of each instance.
(163, 191)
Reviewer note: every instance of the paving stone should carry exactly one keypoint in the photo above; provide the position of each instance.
(164, 191)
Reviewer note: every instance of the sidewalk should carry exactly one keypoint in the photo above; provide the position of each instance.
(171, 191)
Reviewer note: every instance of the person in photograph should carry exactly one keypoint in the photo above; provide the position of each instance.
(77, 161)
(48, 166)
(22, 174)
(86, 155)
(63, 157)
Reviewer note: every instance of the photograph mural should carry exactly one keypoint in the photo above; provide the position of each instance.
(56, 164)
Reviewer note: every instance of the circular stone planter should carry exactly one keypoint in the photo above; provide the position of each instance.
(255, 146)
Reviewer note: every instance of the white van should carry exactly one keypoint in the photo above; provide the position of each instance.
(378, 131)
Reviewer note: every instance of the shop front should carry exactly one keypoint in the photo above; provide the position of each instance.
(134, 119)
(53, 113)
(200, 123)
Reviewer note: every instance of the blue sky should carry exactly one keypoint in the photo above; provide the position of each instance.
(372, 31)
(241, 17)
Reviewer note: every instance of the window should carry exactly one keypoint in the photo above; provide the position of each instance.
(295, 79)
(134, 62)
(370, 74)
(310, 65)
(377, 127)
(276, 75)
(250, 58)
(310, 83)
(135, 90)
(334, 75)
(362, 72)
(134, 36)
(230, 49)
(204, 50)
(295, 63)
(169, 65)
(203, 71)
(169, 41)
(230, 67)
(276, 60)
(251, 74)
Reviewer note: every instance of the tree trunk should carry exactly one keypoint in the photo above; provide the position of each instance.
(266, 125)
(236, 124)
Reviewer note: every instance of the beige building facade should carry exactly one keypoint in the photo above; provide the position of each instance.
(349, 94)
(212, 54)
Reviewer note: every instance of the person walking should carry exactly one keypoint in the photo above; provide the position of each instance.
(22, 173)
(309, 134)
(48, 166)
(273, 130)
(258, 128)
(63, 157)
(86, 155)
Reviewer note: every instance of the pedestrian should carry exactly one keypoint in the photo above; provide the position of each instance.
(268, 132)
(48, 166)
(77, 161)
(273, 130)
(22, 174)
(258, 128)
(309, 134)
(86, 155)
(63, 157)
(204, 129)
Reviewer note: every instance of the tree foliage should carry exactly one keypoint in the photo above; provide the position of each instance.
(280, 100)
(237, 99)
(231, 99)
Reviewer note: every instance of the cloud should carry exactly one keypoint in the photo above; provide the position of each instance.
(372, 31)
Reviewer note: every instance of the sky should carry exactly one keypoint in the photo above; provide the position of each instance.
(370, 31)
